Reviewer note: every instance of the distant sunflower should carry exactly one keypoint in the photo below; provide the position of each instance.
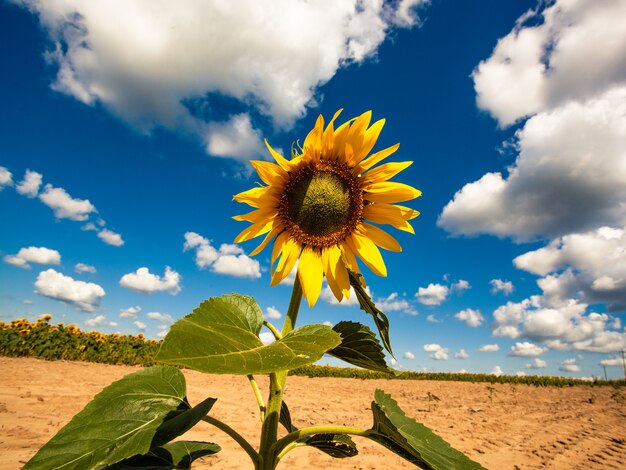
(316, 206)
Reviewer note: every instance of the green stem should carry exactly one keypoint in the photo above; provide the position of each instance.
(257, 394)
(284, 445)
(273, 329)
(269, 431)
(245, 445)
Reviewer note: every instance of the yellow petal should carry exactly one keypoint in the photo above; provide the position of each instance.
(369, 140)
(254, 230)
(254, 197)
(282, 161)
(357, 134)
(396, 216)
(390, 192)
(368, 252)
(281, 239)
(310, 272)
(374, 159)
(256, 215)
(288, 260)
(348, 256)
(340, 273)
(266, 240)
(327, 264)
(385, 172)
(380, 237)
(269, 172)
(313, 141)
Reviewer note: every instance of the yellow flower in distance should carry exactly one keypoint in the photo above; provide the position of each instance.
(319, 206)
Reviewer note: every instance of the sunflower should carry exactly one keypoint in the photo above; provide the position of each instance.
(318, 207)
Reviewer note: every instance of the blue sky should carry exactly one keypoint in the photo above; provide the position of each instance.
(126, 129)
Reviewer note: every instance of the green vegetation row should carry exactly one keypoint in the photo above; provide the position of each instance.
(22, 338)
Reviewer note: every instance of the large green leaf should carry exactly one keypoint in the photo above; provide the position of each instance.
(128, 417)
(172, 456)
(221, 337)
(359, 347)
(411, 440)
(367, 305)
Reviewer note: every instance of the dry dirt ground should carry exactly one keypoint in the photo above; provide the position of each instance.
(518, 427)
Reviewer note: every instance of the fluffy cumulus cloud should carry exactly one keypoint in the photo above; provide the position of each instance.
(64, 205)
(84, 268)
(140, 325)
(434, 294)
(395, 303)
(166, 65)
(498, 285)
(327, 296)
(6, 178)
(82, 295)
(145, 282)
(497, 371)
(272, 313)
(110, 237)
(100, 320)
(593, 262)
(409, 355)
(489, 348)
(33, 254)
(613, 362)
(438, 352)
(536, 364)
(160, 317)
(472, 318)
(29, 186)
(569, 365)
(461, 354)
(526, 349)
(130, 312)
(229, 259)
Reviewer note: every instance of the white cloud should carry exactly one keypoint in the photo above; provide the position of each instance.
(431, 318)
(266, 337)
(613, 362)
(64, 206)
(568, 51)
(160, 317)
(569, 365)
(327, 296)
(6, 178)
(33, 254)
(489, 348)
(497, 371)
(409, 355)
(461, 354)
(235, 138)
(537, 364)
(29, 186)
(229, 259)
(83, 295)
(393, 303)
(130, 312)
(145, 282)
(272, 313)
(526, 349)
(84, 268)
(166, 66)
(110, 238)
(557, 320)
(473, 318)
(595, 263)
(439, 353)
(460, 286)
(565, 178)
(434, 294)
(140, 325)
(498, 285)
(99, 320)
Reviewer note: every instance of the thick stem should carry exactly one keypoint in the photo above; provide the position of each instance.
(245, 445)
(269, 431)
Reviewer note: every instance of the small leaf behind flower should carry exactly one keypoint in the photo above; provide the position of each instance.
(411, 440)
(359, 347)
(121, 421)
(367, 305)
(221, 337)
(176, 455)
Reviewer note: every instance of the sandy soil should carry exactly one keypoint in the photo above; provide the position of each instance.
(520, 427)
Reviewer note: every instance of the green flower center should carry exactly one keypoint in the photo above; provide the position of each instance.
(320, 203)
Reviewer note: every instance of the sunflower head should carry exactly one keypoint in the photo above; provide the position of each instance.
(319, 207)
